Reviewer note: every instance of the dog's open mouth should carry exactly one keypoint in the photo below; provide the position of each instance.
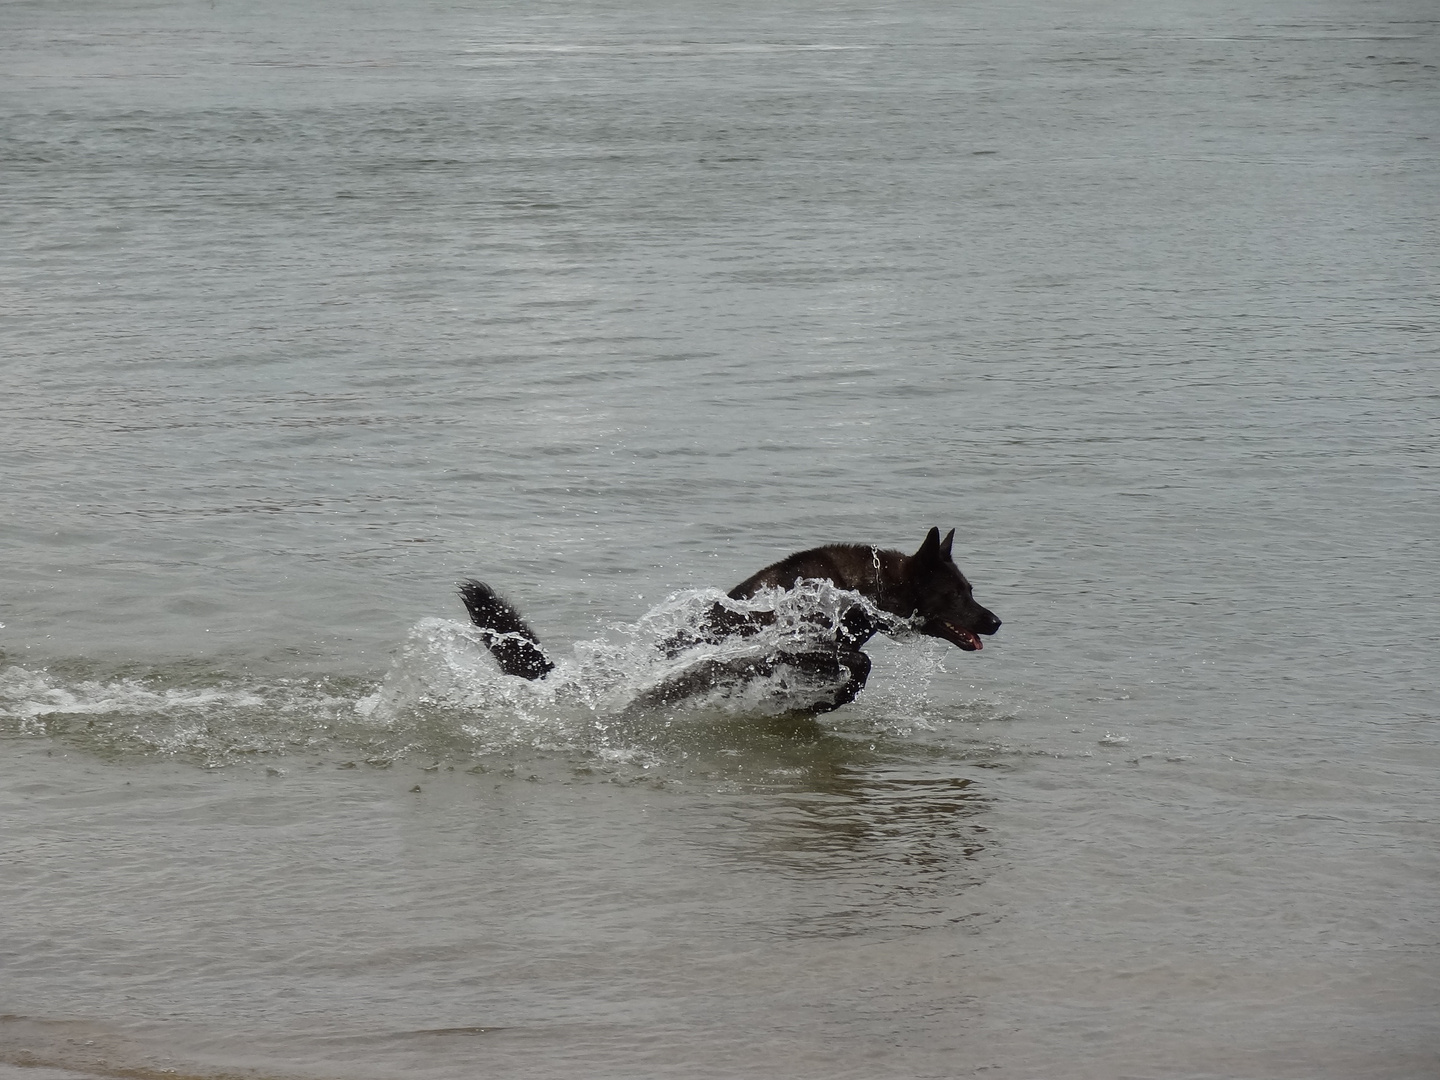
(966, 639)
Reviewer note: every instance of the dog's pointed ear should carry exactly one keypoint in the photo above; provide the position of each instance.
(945, 546)
(930, 550)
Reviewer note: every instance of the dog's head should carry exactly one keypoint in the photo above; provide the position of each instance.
(942, 597)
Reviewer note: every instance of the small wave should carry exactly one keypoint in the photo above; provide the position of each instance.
(680, 48)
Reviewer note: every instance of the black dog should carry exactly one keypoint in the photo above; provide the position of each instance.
(924, 592)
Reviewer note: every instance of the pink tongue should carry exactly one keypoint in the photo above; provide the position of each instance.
(974, 639)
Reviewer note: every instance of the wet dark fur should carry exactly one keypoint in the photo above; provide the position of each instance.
(925, 591)
(513, 644)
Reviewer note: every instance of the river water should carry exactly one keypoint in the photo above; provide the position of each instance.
(312, 310)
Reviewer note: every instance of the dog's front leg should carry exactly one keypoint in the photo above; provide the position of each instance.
(858, 664)
(857, 626)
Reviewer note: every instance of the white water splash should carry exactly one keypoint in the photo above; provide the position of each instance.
(444, 664)
(444, 696)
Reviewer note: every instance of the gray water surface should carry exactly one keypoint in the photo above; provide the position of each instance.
(306, 313)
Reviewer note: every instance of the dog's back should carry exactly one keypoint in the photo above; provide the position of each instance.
(843, 564)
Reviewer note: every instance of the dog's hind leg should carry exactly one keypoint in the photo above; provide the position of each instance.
(700, 679)
(513, 644)
(708, 675)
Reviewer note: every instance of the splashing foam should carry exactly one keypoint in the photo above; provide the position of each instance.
(28, 696)
(444, 697)
(594, 696)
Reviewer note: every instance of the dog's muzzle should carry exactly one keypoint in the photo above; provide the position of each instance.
(967, 639)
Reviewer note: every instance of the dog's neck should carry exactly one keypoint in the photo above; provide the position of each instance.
(882, 585)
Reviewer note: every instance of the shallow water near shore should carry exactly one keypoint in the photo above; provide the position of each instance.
(312, 314)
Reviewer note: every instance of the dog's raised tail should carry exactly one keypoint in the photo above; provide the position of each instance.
(510, 641)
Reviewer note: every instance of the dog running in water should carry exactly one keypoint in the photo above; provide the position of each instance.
(924, 592)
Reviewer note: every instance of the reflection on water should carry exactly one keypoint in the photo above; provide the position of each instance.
(915, 821)
(871, 847)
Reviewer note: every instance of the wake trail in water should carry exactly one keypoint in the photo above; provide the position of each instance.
(443, 695)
